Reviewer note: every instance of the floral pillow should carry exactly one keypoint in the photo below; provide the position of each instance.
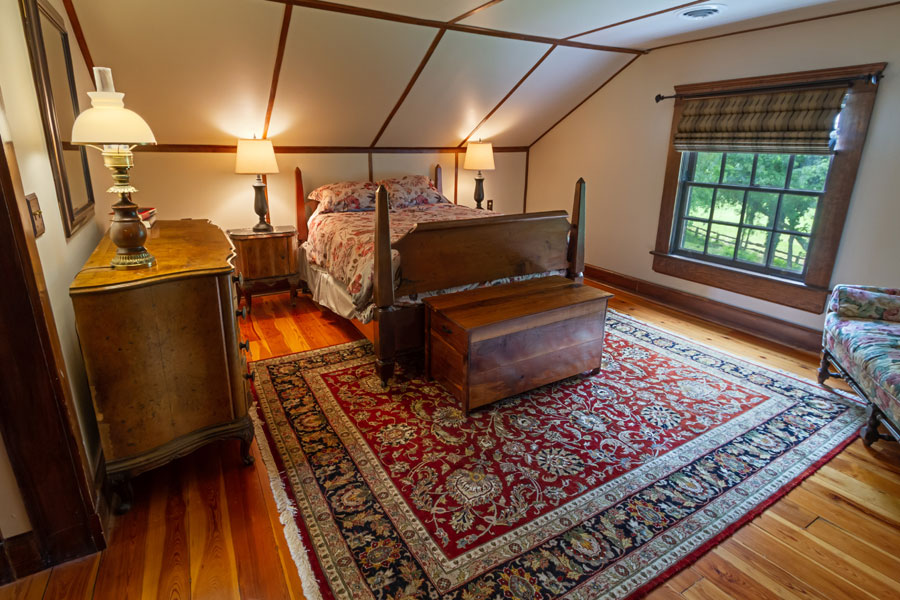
(412, 190)
(345, 196)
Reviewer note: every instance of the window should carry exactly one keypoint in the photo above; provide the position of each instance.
(758, 183)
(753, 211)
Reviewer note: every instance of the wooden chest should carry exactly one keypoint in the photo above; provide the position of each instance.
(494, 342)
(161, 348)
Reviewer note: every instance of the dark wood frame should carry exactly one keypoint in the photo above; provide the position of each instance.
(811, 293)
(37, 414)
(73, 218)
(446, 254)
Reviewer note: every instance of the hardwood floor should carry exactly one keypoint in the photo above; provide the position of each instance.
(206, 527)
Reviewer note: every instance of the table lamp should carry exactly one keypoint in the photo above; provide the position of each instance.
(257, 157)
(118, 130)
(480, 157)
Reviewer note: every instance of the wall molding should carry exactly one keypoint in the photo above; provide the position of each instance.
(758, 324)
(228, 148)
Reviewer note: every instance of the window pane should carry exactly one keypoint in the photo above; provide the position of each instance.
(699, 202)
(728, 206)
(771, 170)
(753, 246)
(693, 236)
(810, 172)
(721, 240)
(789, 252)
(738, 168)
(708, 166)
(797, 213)
(760, 209)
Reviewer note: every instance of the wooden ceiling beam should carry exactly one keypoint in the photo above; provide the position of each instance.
(452, 26)
(475, 10)
(633, 19)
(78, 32)
(409, 86)
(279, 58)
(506, 97)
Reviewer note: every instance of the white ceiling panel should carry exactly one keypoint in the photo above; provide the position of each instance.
(737, 15)
(335, 93)
(562, 18)
(439, 10)
(465, 78)
(198, 72)
(563, 80)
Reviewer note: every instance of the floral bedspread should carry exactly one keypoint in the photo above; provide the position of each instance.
(343, 243)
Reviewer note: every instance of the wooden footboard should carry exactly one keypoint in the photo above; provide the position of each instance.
(446, 254)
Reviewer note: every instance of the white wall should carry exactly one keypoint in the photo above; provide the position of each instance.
(203, 185)
(61, 258)
(618, 142)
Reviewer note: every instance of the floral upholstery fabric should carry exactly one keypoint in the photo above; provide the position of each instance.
(346, 196)
(862, 333)
(412, 190)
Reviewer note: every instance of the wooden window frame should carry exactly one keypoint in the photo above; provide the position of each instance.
(810, 293)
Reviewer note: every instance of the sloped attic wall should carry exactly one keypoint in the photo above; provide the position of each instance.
(618, 142)
(200, 73)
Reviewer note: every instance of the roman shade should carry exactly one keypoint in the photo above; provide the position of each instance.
(801, 121)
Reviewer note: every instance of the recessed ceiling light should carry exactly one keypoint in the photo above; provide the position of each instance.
(701, 11)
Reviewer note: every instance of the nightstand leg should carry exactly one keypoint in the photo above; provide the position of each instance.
(294, 285)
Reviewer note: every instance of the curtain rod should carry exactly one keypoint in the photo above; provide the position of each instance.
(872, 78)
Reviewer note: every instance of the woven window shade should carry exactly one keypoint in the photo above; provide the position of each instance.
(792, 122)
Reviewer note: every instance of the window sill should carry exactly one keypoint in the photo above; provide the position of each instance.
(765, 287)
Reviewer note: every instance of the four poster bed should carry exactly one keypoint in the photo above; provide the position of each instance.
(374, 267)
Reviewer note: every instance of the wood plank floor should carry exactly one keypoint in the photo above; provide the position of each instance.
(204, 527)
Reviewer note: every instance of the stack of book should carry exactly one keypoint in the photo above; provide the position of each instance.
(148, 216)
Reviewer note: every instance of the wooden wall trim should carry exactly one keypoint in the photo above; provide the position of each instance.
(228, 148)
(525, 193)
(589, 96)
(78, 32)
(508, 94)
(795, 22)
(451, 25)
(409, 86)
(276, 72)
(456, 178)
(633, 19)
(770, 328)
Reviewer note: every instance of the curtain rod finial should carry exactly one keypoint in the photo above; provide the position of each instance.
(659, 98)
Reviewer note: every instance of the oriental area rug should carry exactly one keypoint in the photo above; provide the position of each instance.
(592, 487)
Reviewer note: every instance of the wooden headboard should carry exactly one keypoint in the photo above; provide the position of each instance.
(306, 207)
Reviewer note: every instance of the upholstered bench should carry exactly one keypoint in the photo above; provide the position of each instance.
(862, 341)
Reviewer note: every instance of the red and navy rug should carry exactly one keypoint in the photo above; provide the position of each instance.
(593, 487)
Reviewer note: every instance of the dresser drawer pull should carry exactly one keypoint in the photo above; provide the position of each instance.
(446, 329)
(245, 345)
(238, 279)
(242, 313)
(250, 376)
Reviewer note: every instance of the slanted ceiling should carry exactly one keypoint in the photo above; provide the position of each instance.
(386, 73)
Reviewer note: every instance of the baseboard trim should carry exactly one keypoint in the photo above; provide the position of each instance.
(770, 328)
(21, 557)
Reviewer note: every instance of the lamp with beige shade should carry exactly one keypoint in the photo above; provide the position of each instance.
(479, 157)
(257, 157)
(118, 130)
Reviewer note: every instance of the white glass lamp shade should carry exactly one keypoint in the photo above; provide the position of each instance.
(109, 122)
(479, 157)
(256, 157)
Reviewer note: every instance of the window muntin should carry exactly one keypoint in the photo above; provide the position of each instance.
(756, 212)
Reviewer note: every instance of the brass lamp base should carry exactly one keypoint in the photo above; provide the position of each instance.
(127, 231)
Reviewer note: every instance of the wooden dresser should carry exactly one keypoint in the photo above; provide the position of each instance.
(266, 261)
(161, 349)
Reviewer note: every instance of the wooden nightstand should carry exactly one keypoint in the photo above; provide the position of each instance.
(266, 261)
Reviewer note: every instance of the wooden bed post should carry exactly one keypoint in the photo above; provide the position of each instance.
(438, 178)
(302, 228)
(384, 289)
(575, 254)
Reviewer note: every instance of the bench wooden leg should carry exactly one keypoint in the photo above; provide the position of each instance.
(869, 431)
(824, 373)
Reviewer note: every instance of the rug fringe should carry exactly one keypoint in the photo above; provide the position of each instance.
(286, 513)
